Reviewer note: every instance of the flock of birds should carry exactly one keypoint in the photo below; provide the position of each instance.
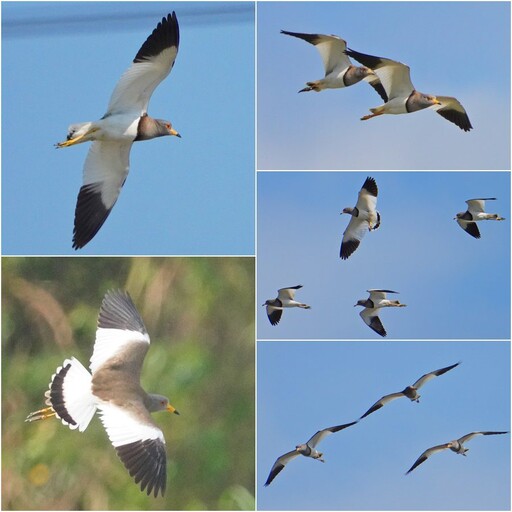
(365, 218)
(308, 449)
(390, 79)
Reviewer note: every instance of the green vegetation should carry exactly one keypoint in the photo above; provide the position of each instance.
(200, 315)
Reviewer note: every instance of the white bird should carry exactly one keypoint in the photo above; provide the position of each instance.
(307, 449)
(475, 212)
(373, 305)
(456, 446)
(403, 98)
(339, 71)
(113, 387)
(411, 392)
(364, 218)
(125, 122)
(285, 299)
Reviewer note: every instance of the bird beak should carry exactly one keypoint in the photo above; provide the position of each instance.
(170, 408)
(436, 102)
(172, 131)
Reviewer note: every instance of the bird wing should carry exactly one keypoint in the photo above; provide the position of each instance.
(427, 453)
(151, 65)
(378, 295)
(429, 376)
(139, 443)
(380, 403)
(279, 465)
(274, 314)
(105, 170)
(367, 197)
(452, 110)
(287, 293)
(121, 337)
(375, 82)
(321, 434)
(352, 236)
(467, 437)
(469, 227)
(478, 205)
(372, 320)
(394, 76)
(331, 48)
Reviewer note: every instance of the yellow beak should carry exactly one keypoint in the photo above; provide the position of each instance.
(170, 408)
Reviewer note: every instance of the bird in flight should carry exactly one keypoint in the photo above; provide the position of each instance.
(125, 122)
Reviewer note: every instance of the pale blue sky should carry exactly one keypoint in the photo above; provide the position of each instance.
(459, 49)
(193, 195)
(307, 386)
(455, 286)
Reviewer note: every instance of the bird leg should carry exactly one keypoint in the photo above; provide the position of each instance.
(369, 116)
(76, 140)
(42, 414)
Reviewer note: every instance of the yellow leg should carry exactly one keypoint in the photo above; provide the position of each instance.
(42, 414)
(369, 116)
(76, 140)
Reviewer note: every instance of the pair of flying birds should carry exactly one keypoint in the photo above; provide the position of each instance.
(370, 312)
(390, 79)
(365, 217)
(308, 449)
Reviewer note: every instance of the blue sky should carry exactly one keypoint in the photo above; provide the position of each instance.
(193, 195)
(307, 386)
(459, 49)
(455, 286)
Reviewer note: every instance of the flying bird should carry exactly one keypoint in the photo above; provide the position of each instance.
(113, 388)
(475, 212)
(364, 218)
(403, 98)
(125, 122)
(411, 392)
(456, 446)
(308, 450)
(285, 299)
(339, 71)
(373, 305)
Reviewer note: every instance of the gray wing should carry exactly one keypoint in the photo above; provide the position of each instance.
(279, 465)
(467, 437)
(451, 109)
(321, 434)
(381, 403)
(429, 376)
(427, 453)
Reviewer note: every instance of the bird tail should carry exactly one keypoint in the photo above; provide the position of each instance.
(70, 395)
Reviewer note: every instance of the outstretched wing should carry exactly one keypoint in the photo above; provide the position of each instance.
(151, 65)
(279, 465)
(427, 453)
(321, 434)
(381, 403)
(467, 437)
(452, 110)
(429, 376)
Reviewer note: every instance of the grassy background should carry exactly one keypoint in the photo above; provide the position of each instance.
(200, 315)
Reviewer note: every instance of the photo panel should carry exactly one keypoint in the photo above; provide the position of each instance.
(454, 286)
(322, 130)
(192, 195)
(201, 357)
(307, 387)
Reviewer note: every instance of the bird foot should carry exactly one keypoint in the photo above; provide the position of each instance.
(42, 414)
(77, 140)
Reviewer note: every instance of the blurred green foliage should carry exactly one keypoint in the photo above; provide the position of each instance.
(200, 315)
